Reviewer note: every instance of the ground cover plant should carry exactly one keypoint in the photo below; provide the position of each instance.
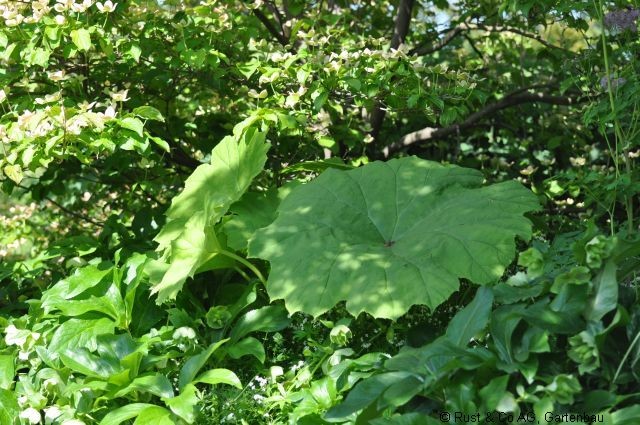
(319, 212)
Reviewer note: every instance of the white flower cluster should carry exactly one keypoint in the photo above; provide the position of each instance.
(43, 122)
(15, 13)
(24, 339)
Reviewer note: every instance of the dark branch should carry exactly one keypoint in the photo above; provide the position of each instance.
(270, 27)
(452, 33)
(432, 133)
(67, 210)
(425, 49)
(403, 20)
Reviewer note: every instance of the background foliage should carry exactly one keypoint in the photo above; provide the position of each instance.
(310, 212)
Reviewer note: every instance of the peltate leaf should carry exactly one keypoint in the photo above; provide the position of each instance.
(389, 235)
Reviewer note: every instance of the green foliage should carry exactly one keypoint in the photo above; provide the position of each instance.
(397, 233)
(307, 212)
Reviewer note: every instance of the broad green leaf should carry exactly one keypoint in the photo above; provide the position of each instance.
(133, 124)
(9, 408)
(14, 172)
(471, 319)
(212, 188)
(245, 347)
(161, 143)
(365, 393)
(156, 384)
(121, 414)
(389, 235)
(81, 38)
(7, 371)
(79, 333)
(626, 416)
(400, 392)
(149, 113)
(606, 293)
(208, 194)
(266, 319)
(89, 289)
(40, 57)
(82, 361)
(219, 376)
(493, 392)
(188, 251)
(184, 404)
(82, 280)
(503, 322)
(253, 211)
(155, 415)
(194, 364)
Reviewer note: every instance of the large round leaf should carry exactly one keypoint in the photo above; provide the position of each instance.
(389, 235)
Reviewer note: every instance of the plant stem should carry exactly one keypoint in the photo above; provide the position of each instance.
(245, 263)
(616, 123)
(624, 358)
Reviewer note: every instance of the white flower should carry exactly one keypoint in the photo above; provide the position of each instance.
(31, 415)
(51, 414)
(56, 75)
(15, 336)
(107, 7)
(110, 113)
(49, 98)
(62, 5)
(184, 332)
(119, 96)
(3, 96)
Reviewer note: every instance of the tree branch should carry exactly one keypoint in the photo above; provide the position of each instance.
(432, 133)
(67, 210)
(403, 20)
(425, 49)
(269, 26)
(463, 28)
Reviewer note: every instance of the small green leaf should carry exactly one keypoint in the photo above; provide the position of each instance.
(133, 124)
(81, 38)
(472, 319)
(7, 371)
(121, 414)
(156, 384)
(266, 319)
(149, 113)
(247, 346)
(606, 296)
(184, 404)
(194, 364)
(219, 376)
(14, 172)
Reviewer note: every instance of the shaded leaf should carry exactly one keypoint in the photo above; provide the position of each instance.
(192, 366)
(389, 235)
